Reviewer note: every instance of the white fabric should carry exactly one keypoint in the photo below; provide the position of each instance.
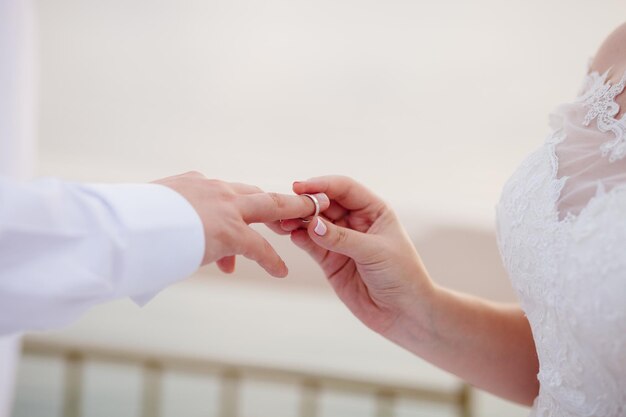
(561, 229)
(65, 247)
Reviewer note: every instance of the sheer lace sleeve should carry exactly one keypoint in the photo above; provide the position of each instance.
(591, 143)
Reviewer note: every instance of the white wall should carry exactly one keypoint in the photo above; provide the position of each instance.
(427, 102)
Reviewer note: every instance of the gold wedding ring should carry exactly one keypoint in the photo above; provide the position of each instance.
(317, 208)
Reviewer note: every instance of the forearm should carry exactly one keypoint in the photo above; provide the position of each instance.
(488, 344)
(371, 263)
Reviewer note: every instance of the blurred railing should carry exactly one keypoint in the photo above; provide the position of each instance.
(230, 375)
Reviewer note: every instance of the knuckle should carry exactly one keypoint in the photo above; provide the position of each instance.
(264, 253)
(341, 237)
(226, 242)
(232, 229)
(277, 200)
(214, 183)
(345, 193)
(381, 209)
(249, 253)
(228, 196)
(266, 249)
(222, 189)
(343, 179)
(195, 174)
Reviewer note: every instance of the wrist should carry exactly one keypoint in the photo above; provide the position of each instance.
(414, 324)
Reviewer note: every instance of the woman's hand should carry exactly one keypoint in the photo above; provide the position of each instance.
(365, 253)
(375, 270)
(226, 210)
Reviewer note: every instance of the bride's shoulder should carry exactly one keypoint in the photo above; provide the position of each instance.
(611, 57)
(612, 54)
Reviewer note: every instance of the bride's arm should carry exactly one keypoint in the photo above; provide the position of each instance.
(376, 271)
(486, 343)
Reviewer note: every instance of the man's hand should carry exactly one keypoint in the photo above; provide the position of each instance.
(226, 210)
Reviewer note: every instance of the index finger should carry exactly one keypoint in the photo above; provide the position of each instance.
(346, 191)
(269, 207)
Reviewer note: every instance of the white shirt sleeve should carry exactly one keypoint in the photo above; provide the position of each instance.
(65, 247)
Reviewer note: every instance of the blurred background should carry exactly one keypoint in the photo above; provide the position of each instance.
(431, 104)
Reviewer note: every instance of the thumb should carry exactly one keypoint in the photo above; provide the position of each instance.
(348, 242)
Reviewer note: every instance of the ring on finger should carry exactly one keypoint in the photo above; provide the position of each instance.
(317, 208)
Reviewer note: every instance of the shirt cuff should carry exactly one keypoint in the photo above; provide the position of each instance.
(162, 233)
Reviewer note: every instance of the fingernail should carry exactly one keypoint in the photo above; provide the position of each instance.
(322, 199)
(320, 228)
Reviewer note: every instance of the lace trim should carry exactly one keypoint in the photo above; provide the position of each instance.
(599, 98)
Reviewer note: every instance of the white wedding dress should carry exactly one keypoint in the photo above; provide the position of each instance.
(561, 231)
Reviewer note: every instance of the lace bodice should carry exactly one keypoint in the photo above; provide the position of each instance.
(561, 231)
